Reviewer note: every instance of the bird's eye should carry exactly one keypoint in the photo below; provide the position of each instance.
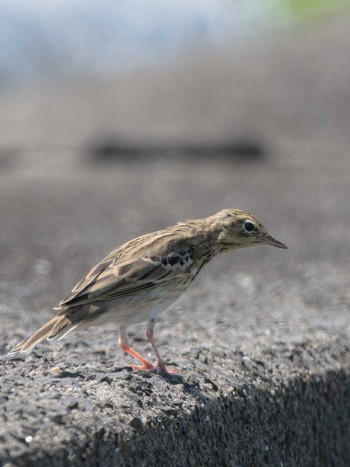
(248, 226)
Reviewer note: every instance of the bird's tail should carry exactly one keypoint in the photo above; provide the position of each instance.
(56, 328)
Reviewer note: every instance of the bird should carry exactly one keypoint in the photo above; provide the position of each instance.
(144, 276)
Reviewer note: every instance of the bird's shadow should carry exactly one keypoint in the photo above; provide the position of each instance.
(148, 380)
(190, 382)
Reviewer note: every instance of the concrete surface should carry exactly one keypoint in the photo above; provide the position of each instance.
(262, 337)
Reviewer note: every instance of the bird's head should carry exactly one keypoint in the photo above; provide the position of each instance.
(239, 229)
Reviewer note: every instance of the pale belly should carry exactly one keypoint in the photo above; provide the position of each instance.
(135, 309)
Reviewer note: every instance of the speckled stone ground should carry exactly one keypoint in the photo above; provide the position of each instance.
(276, 404)
(261, 339)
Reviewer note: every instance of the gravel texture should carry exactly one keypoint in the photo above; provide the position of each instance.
(261, 339)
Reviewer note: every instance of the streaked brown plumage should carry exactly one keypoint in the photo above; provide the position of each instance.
(138, 280)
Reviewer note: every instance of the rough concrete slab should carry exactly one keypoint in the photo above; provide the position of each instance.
(261, 338)
(281, 404)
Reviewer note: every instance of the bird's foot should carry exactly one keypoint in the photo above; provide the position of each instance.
(147, 366)
(159, 369)
(170, 371)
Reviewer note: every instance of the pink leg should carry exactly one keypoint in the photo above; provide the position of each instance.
(146, 364)
(161, 368)
(124, 345)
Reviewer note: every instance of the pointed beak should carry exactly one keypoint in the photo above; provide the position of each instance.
(268, 240)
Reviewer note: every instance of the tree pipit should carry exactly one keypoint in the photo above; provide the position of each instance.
(138, 280)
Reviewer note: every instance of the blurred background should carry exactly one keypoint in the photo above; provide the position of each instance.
(119, 118)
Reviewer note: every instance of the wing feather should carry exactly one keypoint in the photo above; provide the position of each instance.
(92, 275)
(124, 273)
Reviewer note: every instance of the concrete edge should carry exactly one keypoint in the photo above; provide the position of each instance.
(299, 419)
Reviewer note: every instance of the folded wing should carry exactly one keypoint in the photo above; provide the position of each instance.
(122, 275)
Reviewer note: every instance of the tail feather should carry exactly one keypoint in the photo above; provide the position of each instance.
(57, 327)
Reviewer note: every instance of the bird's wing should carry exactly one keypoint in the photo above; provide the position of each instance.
(125, 272)
(89, 279)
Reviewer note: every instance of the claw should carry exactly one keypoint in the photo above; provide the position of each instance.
(169, 371)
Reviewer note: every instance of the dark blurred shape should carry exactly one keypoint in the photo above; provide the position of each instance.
(114, 151)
